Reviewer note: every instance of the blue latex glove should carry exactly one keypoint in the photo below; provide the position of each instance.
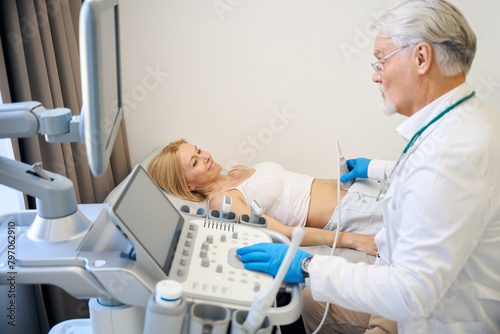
(267, 257)
(358, 168)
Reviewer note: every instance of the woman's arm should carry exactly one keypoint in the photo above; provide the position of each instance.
(313, 236)
(318, 237)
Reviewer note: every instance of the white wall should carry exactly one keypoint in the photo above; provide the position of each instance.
(264, 80)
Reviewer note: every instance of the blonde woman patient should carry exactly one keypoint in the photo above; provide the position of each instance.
(289, 199)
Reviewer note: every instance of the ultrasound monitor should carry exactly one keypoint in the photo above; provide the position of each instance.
(145, 216)
(197, 252)
(101, 80)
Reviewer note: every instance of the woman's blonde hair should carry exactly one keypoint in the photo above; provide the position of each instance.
(166, 170)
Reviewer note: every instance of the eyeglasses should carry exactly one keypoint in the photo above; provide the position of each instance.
(378, 65)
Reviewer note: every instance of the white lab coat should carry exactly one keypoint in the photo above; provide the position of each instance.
(438, 269)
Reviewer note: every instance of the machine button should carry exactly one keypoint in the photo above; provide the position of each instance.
(204, 245)
(190, 234)
(219, 268)
(180, 272)
(188, 243)
(203, 254)
(210, 239)
(235, 235)
(205, 262)
(223, 238)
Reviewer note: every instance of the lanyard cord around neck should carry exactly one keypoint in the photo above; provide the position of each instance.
(419, 132)
(414, 138)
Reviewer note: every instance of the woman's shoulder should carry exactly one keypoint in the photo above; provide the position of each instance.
(237, 168)
(269, 166)
(215, 201)
(235, 178)
(259, 165)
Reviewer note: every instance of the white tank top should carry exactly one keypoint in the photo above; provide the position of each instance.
(283, 195)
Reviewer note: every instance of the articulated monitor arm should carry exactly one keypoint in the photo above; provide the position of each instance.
(25, 119)
(58, 215)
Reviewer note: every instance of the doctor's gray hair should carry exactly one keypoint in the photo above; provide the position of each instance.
(437, 22)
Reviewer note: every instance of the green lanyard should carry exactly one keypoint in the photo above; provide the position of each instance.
(414, 138)
(419, 132)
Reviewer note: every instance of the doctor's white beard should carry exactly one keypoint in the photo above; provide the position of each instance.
(388, 108)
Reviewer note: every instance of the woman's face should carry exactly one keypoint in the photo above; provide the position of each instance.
(198, 166)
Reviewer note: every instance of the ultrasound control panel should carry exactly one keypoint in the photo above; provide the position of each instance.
(207, 266)
(197, 251)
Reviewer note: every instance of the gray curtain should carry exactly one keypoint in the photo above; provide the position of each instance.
(39, 61)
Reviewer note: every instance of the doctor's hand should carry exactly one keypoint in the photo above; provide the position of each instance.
(267, 257)
(358, 168)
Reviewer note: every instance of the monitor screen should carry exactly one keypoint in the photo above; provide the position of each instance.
(101, 80)
(150, 220)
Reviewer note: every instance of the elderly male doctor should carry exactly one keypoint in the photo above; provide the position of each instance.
(438, 268)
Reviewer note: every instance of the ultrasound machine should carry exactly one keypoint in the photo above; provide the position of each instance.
(127, 255)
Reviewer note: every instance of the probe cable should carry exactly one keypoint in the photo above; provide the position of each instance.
(336, 235)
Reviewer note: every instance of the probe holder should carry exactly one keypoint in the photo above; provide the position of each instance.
(245, 219)
(238, 319)
(207, 318)
(186, 210)
(215, 214)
